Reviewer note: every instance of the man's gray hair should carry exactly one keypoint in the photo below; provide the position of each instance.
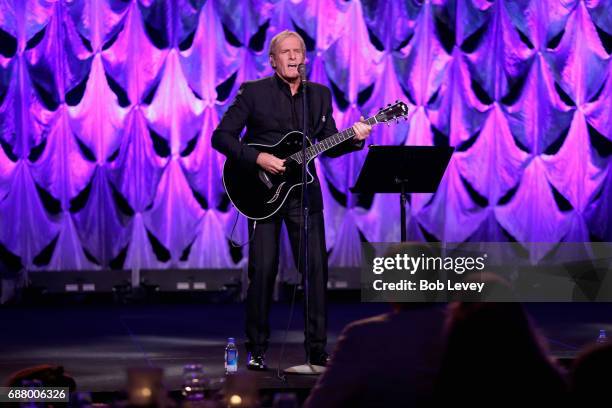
(281, 36)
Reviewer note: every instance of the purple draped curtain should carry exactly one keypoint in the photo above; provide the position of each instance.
(107, 108)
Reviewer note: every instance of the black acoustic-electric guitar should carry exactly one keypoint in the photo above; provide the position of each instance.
(259, 194)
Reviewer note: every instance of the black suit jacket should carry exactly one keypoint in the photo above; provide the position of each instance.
(384, 361)
(269, 111)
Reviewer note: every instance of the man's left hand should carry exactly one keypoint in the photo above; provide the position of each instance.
(362, 129)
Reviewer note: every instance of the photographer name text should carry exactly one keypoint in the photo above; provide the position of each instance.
(425, 285)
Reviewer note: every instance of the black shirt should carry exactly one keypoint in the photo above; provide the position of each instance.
(269, 111)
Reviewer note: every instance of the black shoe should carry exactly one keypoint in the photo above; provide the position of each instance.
(320, 359)
(257, 362)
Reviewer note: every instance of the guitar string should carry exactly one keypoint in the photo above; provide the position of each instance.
(316, 149)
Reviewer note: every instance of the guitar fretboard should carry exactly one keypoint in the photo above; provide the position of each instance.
(329, 142)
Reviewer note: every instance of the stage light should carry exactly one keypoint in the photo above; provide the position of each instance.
(145, 386)
(240, 390)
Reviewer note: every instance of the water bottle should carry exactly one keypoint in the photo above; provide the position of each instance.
(602, 337)
(231, 356)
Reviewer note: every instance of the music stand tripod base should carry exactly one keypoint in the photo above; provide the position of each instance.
(305, 369)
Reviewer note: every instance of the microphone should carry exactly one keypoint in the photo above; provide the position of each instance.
(302, 71)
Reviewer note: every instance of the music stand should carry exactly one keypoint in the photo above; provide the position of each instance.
(403, 170)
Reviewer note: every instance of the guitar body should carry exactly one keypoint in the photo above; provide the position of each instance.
(259, 195)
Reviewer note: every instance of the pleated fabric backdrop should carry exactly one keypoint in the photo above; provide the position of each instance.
(107, 108)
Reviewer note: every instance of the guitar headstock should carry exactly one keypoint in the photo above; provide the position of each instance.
(392, 112)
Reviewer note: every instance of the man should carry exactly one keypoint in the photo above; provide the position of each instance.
(270, 108)
(383, 361)
(387, 360)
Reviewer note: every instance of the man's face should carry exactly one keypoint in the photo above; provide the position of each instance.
(286, 58)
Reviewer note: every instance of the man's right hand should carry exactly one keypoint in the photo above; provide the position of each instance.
(271, 163)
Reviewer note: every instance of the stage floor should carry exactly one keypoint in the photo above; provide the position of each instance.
(95, 343)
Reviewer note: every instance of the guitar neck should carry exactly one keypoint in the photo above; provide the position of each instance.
(329, 142)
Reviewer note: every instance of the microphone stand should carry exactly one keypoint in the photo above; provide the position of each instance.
(305, 207)
(305, 368)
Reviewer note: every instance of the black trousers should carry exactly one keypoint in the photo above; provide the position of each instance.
(263, 268)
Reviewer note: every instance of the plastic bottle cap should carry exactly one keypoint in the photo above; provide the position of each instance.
(231, 340)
